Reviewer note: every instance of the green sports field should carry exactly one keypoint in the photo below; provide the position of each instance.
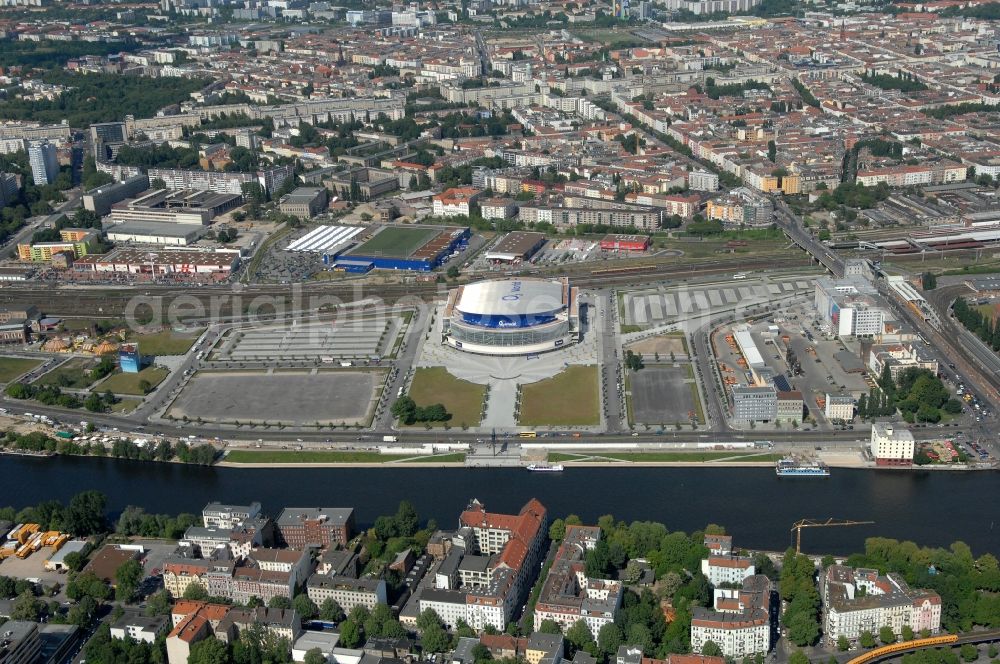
(396, 242)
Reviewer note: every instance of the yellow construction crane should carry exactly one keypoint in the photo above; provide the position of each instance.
(813, 523)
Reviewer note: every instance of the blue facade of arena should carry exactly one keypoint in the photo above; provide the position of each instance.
(498, 322)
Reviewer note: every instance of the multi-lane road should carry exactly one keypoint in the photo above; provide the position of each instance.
(649, 270)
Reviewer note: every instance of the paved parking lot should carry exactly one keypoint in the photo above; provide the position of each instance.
(32, 567)
(661, 394)
(291, 397)
(655, 307)
(157, 551)
(360, 338)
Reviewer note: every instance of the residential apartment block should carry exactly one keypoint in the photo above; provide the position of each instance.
(264, 573)
(347, 591)
(490, 567)
(862, 600)
(218, 515)
(455, 202)
(194, 621)
(729, 568)
(641, 218)
(899, 357)
(221, 182)
(741, 621)
(904, 175)
(839, 407)
(741, 208)
(568, 595)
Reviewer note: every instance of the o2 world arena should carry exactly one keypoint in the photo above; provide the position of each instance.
(512, 316)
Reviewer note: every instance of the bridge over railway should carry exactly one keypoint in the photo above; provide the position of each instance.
(802, 238)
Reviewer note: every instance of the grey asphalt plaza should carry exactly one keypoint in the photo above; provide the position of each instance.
(661, 394)
(293, 397)
(345, 338)
(649, 307)
(504, 375)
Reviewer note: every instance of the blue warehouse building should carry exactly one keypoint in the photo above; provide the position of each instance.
(412, 248)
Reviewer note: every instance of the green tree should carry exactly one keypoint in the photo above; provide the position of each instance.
(195, 591)
(843, 645)
(128, 577)
(428, 618)
(85, 514)
(907, 633)
(549, 626)
(886, 635)
(798, 657)
(75, 561)
(279, 602)
(711, 649)
(557, 530)
(26, 607)
(453, 272)
(330, 611)
(435, 639)
(209, 651)
(609, 639)
(969, 652)
(350, 634)
(87, 584)
(305, 607)
(315, 656)
(407, 520)
(81, 613)
(580, 638)
(158, 604)
(866, 640)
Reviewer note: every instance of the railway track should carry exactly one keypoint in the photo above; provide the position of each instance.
(224, 299)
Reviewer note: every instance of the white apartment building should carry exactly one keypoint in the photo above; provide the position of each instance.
(218, 515)
(43, 158)
(703, 181)
(839, 407)
(740, 622)
(568, 595)
(490, 592)
(899, 357)
(727, 569)
(861, 600)
(346, 591)
(455, 202)
(139, 627)
(891, 445)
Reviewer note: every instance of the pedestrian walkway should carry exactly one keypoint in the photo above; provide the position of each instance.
(504, 375)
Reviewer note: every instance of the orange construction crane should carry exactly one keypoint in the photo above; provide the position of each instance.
(812, 523)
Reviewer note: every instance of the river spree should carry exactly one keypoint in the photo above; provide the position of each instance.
(930, 508)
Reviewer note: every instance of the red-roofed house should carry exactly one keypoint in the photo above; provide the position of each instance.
(455, 202)
(193, 621)
(497, 567)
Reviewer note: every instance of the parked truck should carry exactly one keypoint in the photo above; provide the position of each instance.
(388, 439)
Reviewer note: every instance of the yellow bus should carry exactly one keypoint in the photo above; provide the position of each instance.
(527, 434)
